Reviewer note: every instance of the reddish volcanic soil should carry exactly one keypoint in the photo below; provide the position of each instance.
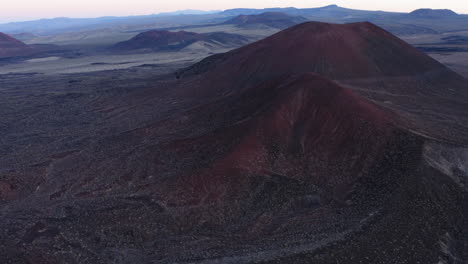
(350, 51)
(282, 151)
(361, 56)
(301, 121)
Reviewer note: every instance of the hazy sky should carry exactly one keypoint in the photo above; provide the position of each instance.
(16, 10)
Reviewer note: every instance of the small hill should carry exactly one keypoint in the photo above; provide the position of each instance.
(162, 40)
(427, 12)
(337, 51)
(271, 19)
(10, 47)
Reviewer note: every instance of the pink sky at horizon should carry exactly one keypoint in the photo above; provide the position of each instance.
(20, 10)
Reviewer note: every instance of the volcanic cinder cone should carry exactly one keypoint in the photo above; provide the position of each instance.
(10, 47)
(283, 150)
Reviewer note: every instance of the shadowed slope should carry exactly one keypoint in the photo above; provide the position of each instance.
(10, 46)
(336, 51)
(166, 40)
(361, 56)
(304, 128)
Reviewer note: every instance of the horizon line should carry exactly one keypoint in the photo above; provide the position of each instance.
(168, 13)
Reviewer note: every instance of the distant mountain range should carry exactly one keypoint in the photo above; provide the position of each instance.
(426, 12)
(271, 19)
(60, 24)
(188, 12)
(418, 21)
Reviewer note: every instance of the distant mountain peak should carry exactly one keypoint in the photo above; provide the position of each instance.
(272, 19)
(433, 12)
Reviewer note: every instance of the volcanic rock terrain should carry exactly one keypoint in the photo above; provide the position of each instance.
(323, 143)
(158, 40)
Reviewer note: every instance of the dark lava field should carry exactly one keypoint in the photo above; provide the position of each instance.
(323, 143)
